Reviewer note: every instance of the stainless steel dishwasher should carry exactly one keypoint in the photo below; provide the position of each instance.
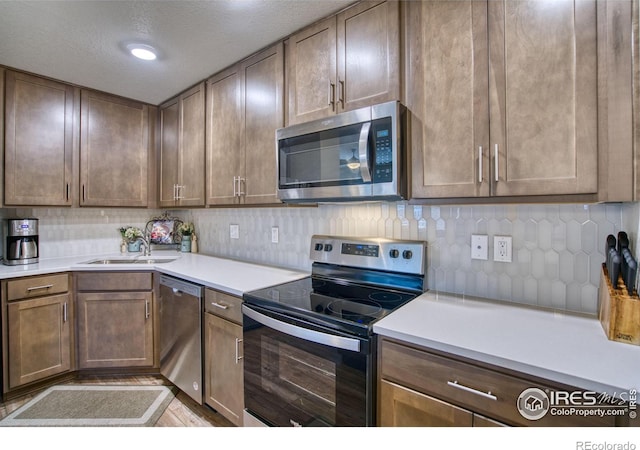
(181, 335)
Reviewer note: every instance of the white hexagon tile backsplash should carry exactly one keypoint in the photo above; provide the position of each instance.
(556, 255)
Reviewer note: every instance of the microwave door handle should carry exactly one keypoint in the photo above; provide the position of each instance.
(363, 154)
(331, 340)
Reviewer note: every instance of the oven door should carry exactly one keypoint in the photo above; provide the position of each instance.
(298, 374)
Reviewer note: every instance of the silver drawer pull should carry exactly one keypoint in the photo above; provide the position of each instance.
(238, 357)
(37, 288)
(488, 395)
(219, 305)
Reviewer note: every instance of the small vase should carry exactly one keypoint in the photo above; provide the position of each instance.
(185, 244)
(134, 246)
(194, 243)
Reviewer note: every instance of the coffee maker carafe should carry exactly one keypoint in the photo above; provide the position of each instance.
(20, 245)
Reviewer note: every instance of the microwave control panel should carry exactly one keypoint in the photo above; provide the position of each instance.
(383, 150)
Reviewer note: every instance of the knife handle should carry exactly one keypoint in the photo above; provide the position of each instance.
(630, 270)
(614, 271)
(623, 241)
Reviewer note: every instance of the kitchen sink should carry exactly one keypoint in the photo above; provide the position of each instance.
(134, 260)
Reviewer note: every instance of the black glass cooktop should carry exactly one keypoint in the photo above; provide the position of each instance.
(347, 306)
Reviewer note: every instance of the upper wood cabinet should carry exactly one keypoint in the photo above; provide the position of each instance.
(344, 62)
(182, 149)
(39, 129)
(114, 151)
(244, 109)
(503, 97)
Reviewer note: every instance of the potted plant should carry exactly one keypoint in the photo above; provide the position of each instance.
(130, 235)
(185, 230)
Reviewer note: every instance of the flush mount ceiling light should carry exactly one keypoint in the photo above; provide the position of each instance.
(143, 51)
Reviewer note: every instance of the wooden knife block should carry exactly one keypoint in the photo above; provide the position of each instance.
(619, 311)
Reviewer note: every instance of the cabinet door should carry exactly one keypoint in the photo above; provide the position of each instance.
(169, 151)
(192, 147)
(446, 76)
(38, 141)
(543, 96)
(115, 329)
(114, 137)
(263, 82)
(368, 55)
(39, 338)
(402, 407)
(225, 144)
(224, 379)
(311, 72)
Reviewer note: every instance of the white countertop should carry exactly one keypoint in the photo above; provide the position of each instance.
(227, 275)
(557, 346)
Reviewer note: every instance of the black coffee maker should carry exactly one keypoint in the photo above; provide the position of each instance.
(20, 245)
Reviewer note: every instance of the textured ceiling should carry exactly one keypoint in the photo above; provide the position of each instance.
(83, 42)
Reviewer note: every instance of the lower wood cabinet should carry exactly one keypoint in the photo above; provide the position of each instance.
(420, 387)
(37, 324)
(223, 358)
(116, 323)
(39, 338)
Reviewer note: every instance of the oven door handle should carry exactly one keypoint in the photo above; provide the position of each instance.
(331, 340)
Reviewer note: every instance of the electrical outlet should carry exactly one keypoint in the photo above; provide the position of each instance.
(479, 246)
(234, 231)
(502, 248)
(274, 235)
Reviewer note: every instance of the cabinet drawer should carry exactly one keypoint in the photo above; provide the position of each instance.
(114, 281)
(223, 305)
(37, 286)
(472, 387)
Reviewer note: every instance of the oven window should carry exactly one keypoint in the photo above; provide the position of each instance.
(293, 382)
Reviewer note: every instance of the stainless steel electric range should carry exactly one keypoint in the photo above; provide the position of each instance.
(309, 348)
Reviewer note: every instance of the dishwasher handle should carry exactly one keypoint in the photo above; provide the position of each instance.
(181, 287)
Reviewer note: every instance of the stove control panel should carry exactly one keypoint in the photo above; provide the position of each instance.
(371, 253)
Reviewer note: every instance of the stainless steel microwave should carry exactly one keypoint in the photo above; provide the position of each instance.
(357, 155)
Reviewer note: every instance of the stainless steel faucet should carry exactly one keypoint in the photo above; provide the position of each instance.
(145, 242)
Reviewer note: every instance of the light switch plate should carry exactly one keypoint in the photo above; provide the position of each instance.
(274, 235)
(234, 231)
(480, 246)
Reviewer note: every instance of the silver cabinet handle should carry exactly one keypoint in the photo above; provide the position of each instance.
(219, 305)
(179, 188)
(238, 357)
(341, 96)
(146, 309)
(496, 163)
(241, 181)
(64, 312)
(37, 288)
(457, 385)
(332, 95)
(480, 164)
(363, 155)
(235, 191)
(175, 191)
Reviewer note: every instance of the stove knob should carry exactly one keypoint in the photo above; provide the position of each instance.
(407, 254)
(328, 247)
(318, 247)
(394, 253)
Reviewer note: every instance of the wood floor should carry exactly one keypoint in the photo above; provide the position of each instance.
(181, 412)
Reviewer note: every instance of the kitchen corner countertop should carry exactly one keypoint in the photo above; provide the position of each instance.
(562, 347)
(227, 275)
